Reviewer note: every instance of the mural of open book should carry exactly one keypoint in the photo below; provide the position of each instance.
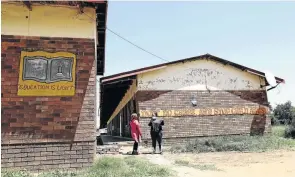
(44, 73)
(47, 70)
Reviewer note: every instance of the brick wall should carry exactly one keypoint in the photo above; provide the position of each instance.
(198, 126)
(37, 157)
(28, 121)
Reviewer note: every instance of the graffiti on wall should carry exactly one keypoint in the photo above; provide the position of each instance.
(206, 112)
(47, 74)
(198, 75)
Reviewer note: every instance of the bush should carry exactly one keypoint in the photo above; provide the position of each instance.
(275, 121)
(284, 113)
(290, 132)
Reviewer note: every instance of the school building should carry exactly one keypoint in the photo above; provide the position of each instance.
(197, 97)
(52, 52)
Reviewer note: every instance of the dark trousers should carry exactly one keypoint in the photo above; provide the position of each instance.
(135, 146)
(157, 137)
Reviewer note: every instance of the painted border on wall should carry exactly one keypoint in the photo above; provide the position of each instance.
(206, 112)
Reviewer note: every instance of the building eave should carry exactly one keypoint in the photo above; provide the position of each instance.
(206, 56)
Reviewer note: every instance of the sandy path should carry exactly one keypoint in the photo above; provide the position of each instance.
(279, 163)
(270, 164)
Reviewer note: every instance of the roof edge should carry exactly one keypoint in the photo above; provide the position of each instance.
(205, 56)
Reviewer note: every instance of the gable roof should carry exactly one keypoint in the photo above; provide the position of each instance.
(206, 56)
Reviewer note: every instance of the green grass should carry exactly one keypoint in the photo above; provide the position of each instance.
(278, 131)
(15, 173)
(202, 167)
(241, 143)
(182, 162)
(127, 167)
(106, 167)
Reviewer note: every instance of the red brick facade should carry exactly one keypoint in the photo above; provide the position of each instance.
(29, 121)
(199, 126)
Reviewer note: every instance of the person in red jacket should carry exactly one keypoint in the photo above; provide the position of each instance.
(135, 132)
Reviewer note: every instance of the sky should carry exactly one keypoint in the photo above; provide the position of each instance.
(259, 35)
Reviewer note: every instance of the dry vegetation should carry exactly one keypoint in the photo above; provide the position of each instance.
(243, 143)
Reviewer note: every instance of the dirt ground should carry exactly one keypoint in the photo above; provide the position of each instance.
(229, 164)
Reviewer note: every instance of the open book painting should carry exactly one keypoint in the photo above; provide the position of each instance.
(47, 74)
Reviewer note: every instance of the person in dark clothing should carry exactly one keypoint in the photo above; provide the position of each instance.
(156, 131)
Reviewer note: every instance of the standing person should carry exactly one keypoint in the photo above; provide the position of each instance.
(135, 132)
(156, 131)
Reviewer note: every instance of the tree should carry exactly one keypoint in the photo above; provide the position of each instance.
(284, 113)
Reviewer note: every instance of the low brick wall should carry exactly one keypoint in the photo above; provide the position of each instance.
(37, 157)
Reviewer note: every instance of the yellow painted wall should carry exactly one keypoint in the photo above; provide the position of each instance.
(199, 75)
(35, 88)
(47, 21)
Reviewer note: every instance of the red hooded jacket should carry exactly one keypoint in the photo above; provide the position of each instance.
(135, 129)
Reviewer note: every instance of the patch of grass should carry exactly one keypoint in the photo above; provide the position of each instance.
(278, 131)
(15, 173)
(238, 143)
(211, 167)
(182, 162)
(58, 173)
(197, 166)
(106, 167)
(126, 167)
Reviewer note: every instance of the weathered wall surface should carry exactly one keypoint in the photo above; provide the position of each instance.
(199, 75)
(49, 21)
(47, 132)
(195, 126)
(214, 86)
